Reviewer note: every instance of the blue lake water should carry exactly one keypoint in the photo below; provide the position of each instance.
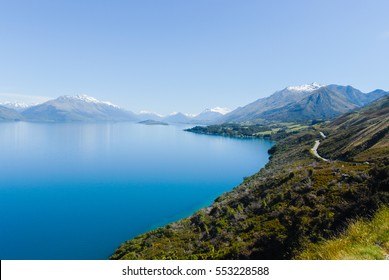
(76, 191)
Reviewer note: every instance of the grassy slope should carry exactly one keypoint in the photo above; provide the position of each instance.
(361, 135)
(363, 239)
(295, 200)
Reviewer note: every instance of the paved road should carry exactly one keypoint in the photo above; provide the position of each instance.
(314, 150)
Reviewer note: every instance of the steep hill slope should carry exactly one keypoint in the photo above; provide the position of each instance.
(297, 199)
(362, 239)
(361, 135)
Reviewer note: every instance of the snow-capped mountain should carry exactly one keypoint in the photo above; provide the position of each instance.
(178, 117)
(147, 115)
(77, 108)
(86, 98)
(304, 102)
(305, 88)
(17, 106)
(293, 103)
(219, 110)
(209, 116)
(86, 108)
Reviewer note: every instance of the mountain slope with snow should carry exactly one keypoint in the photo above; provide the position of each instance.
(305, 102)
(305, 88)
(210, 116)
(276, 100)
(77, 108)
(178, 118)
(146, 115)
(17, 106)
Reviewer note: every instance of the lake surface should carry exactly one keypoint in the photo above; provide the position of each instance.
(76, 191)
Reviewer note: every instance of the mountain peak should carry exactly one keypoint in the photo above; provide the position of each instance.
(16, 105)
(304, 102)
(307, 87)
(219, 110)
(181, 114)
(86, 98)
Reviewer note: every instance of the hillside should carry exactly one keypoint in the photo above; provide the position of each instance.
(320, 104)
(302, 103)
(296, 200)
(7, 114)
(360, 135)
(362, 239)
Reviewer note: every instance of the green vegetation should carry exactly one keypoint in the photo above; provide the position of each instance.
(363, 239)
(152, 122)
(296, 201)
(272, 130)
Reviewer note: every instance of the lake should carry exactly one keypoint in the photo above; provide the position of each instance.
(78, 190)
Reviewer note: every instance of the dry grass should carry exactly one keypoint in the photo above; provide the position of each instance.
(363, 240)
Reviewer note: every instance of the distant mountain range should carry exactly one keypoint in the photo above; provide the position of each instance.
(208, 116)
(292, 104)
(77, 108)
(17, 106)
(301, 103)
(7, 114)
(83, 108)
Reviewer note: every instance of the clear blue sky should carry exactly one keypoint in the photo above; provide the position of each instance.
(176, 55)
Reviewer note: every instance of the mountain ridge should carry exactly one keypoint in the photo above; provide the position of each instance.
(77, 108)
(7, 114)
(86, 108)
(302, 103)
(291, 104)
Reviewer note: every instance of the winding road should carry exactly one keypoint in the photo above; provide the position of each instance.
(314, 148)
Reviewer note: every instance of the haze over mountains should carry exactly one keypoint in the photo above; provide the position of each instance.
(294, 104)
(81, 108)
(7, 114)
(17, 106)
(77, 108)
